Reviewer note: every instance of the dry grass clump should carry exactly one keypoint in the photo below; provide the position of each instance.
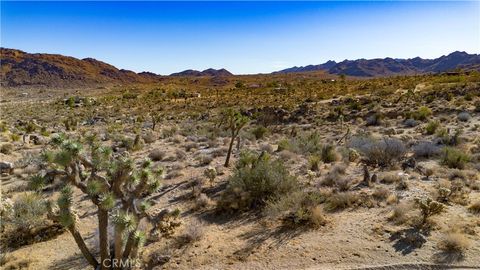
(341, 200)
(335, 173)
(454, 242)
(202, 201)
(194, 232)
(390, 178)
(403, 213)
(381, 193)
(298, 209)
(6, 148)
(475, 207)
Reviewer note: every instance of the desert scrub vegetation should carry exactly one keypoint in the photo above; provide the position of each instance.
(255, 181)
(113, 184)
(379, 152)
(454, 158)
(24, 221)
(297, 209)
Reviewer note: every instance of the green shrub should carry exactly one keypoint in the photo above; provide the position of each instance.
(431, 127)
(422, 113)
(328, 153)
(259, 132)
(314, 163)
(454, 158)
(255, 182)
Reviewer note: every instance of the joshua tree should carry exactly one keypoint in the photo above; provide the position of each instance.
(156, 118)
(233, 121)
(115, 187)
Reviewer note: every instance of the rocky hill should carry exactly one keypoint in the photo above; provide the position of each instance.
(207, 72)
(19, 68)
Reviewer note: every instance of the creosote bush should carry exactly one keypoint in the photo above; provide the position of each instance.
(383, 152)
(454, 158)
(255, 181)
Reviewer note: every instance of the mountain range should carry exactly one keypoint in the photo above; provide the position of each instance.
(18, 68)
(390, 66)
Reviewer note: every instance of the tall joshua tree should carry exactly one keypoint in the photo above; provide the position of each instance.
(233, 121)
(114, 186)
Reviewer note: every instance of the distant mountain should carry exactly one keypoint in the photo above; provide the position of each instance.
(19, 68)
(207, 72)
(389, 66)
(325, 66)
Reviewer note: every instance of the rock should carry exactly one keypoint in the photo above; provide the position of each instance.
(6, 167)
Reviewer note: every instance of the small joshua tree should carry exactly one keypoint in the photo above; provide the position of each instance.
(114, 186)
(210, 173)
(233, 121)
(156, 118)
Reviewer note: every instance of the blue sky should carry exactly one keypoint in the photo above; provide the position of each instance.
(244, 37)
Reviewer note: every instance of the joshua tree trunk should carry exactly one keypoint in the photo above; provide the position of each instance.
(83, 248)
(118, 245)
(227, 161)
(103, 230)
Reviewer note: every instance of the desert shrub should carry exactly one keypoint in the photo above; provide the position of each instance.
(374, 119)
(463, 116)
(266, 147)
(204, 160)
(194, 232)
(259, 132)
(402, 213)
(425, 150)
(157, 155)
(15, 137)
(444, 137)
(306, 143)
(328, 153)
(255, 182)
(28, 211)
(341, 200)
(284, 145)
(410, 122)
(169, 132)
(298, 209)
(454, 242)
(334, 174)
(382, 152)
(475, 207)
(422, 113)
(454, 158)
(314, 163)
(202, 201)
(431, 127)
(6, 148)
(381, 193)
(390, 178)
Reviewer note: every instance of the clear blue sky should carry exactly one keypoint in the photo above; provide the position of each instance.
(244, 37)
